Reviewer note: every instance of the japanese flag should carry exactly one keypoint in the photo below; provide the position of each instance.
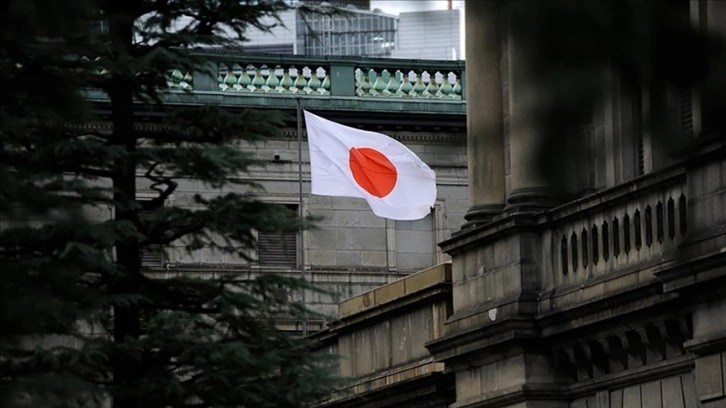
(348, 162)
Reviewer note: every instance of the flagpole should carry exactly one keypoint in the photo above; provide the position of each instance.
(300, 209)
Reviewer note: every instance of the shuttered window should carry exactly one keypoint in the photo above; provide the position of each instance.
(277, 248)
(152, 256)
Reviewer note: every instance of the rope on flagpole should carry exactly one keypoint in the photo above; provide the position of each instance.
(300, 209)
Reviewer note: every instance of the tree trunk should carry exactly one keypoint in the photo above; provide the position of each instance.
(126, 369)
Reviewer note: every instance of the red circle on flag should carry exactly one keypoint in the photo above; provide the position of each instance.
(372, 170)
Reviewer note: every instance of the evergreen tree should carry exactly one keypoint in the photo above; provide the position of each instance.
(81, 323)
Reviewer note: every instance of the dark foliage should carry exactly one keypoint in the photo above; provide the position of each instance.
(81, 323)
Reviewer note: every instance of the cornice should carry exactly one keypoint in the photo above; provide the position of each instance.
(443, 136)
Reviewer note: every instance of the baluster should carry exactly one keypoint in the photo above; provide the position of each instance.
(365, 85)
(377, 83)
(637, 230)
(273, 81)
(446, 89)
(230, 80)
(457, 89)
(244, 80)
(432, 88)
(358, 75)
(419, 87)
(306, 76)
(259, 80)
(616, 237)
(101, 70)
(648, 226)
(381, 84)
(287, 82)
(188, 81)
(325, 88)
(682, 214)
(222, 72)
(314, 83)
(175, 79)
(392, 88)
(406, 88)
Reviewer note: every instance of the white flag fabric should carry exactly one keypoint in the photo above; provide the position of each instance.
(349, 162)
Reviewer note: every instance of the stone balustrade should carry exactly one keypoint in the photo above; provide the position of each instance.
(180, 80)
(572, 253)
(234, 79)
(274, 79)
(615, 229)
(408, 83)
(314, 78)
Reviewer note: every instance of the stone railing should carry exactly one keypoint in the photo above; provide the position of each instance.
(235, 79)
(332, 76)
(639, 223)
(408, 83)
(277, 78)
(180, 80)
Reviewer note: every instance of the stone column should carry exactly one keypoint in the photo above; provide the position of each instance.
(529, 188)
(484, 110)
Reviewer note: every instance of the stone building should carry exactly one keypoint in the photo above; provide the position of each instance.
(420, 103)
(614, 299)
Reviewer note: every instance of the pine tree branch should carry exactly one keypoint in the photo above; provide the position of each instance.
(19, 162)
(163, 193)
(196, 227)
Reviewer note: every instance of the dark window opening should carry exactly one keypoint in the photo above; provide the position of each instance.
(583, 236)
(573, 246)
(616, 237)
(671, 218)
(153, 255)
(605, 241)
(563, 255)
(637, 230)
(595, 245)
(278, 248)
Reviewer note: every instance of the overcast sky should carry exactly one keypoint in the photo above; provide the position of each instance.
(400, 6)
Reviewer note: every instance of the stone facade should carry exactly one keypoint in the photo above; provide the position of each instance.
(419, 103)
(352, 250)
(610, 300)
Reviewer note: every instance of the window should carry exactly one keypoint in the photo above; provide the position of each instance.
(278, 248)
(152, 256)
